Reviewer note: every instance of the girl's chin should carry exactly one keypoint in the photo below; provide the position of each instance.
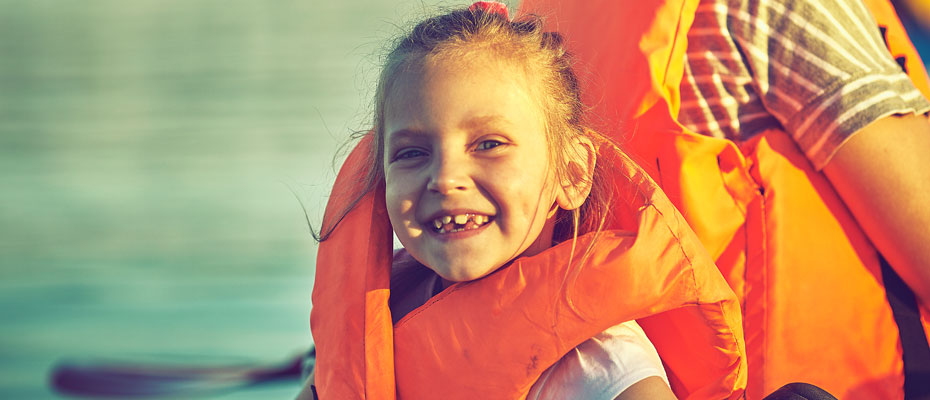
(464, 273)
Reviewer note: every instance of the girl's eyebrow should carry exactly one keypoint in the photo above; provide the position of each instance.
(484, 121)
(471, 124)
(404, 134)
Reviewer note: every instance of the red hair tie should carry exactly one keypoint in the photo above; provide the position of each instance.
(491, 7)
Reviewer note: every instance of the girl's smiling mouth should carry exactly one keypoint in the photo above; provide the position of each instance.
(452, 223)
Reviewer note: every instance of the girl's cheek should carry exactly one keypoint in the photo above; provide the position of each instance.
(399, 196)
(398, 184)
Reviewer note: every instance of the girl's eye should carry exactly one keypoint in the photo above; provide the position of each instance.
(488, 144)
(408, 154)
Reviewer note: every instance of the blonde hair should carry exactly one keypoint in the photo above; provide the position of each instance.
(466, 32)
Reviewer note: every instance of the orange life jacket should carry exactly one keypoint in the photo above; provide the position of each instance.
(809, 280)
(492, 338)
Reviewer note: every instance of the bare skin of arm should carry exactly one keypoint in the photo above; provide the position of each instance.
(882, 173)
(652, 387)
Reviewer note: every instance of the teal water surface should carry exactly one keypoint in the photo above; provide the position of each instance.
(154, 155)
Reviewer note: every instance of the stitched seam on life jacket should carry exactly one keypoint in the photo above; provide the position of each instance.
(764, 285)
(762, 281)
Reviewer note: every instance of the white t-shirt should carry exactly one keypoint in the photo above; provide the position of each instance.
(599, 368)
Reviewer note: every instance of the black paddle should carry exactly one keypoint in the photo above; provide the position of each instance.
(124, 379)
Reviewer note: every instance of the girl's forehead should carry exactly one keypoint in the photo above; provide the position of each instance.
(480, 59)
(489, 67)
(453, 81)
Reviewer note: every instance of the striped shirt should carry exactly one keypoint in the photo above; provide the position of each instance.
(819, 69)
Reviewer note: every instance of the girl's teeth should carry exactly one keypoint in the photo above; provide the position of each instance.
(458, 223)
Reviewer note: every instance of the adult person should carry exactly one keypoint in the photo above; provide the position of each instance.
(800, 170)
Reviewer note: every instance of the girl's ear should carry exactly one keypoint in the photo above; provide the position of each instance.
(579, 174)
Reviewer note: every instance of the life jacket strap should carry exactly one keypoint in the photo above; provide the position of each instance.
(914, 347)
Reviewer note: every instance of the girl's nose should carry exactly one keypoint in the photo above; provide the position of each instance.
(448, 177)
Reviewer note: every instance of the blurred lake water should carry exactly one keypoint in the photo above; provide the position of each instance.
(154, 155)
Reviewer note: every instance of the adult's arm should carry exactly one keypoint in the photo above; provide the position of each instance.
(653, 388)
(882, 173)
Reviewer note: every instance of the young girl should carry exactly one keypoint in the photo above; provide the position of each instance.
(484, 165)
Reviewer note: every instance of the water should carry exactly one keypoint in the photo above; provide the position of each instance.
(153, 157)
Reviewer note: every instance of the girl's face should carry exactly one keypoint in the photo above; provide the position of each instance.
(468, 183)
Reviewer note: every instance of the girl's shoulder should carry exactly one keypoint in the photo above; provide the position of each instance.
(601, 367)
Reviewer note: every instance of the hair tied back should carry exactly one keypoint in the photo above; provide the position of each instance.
(491, 7)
